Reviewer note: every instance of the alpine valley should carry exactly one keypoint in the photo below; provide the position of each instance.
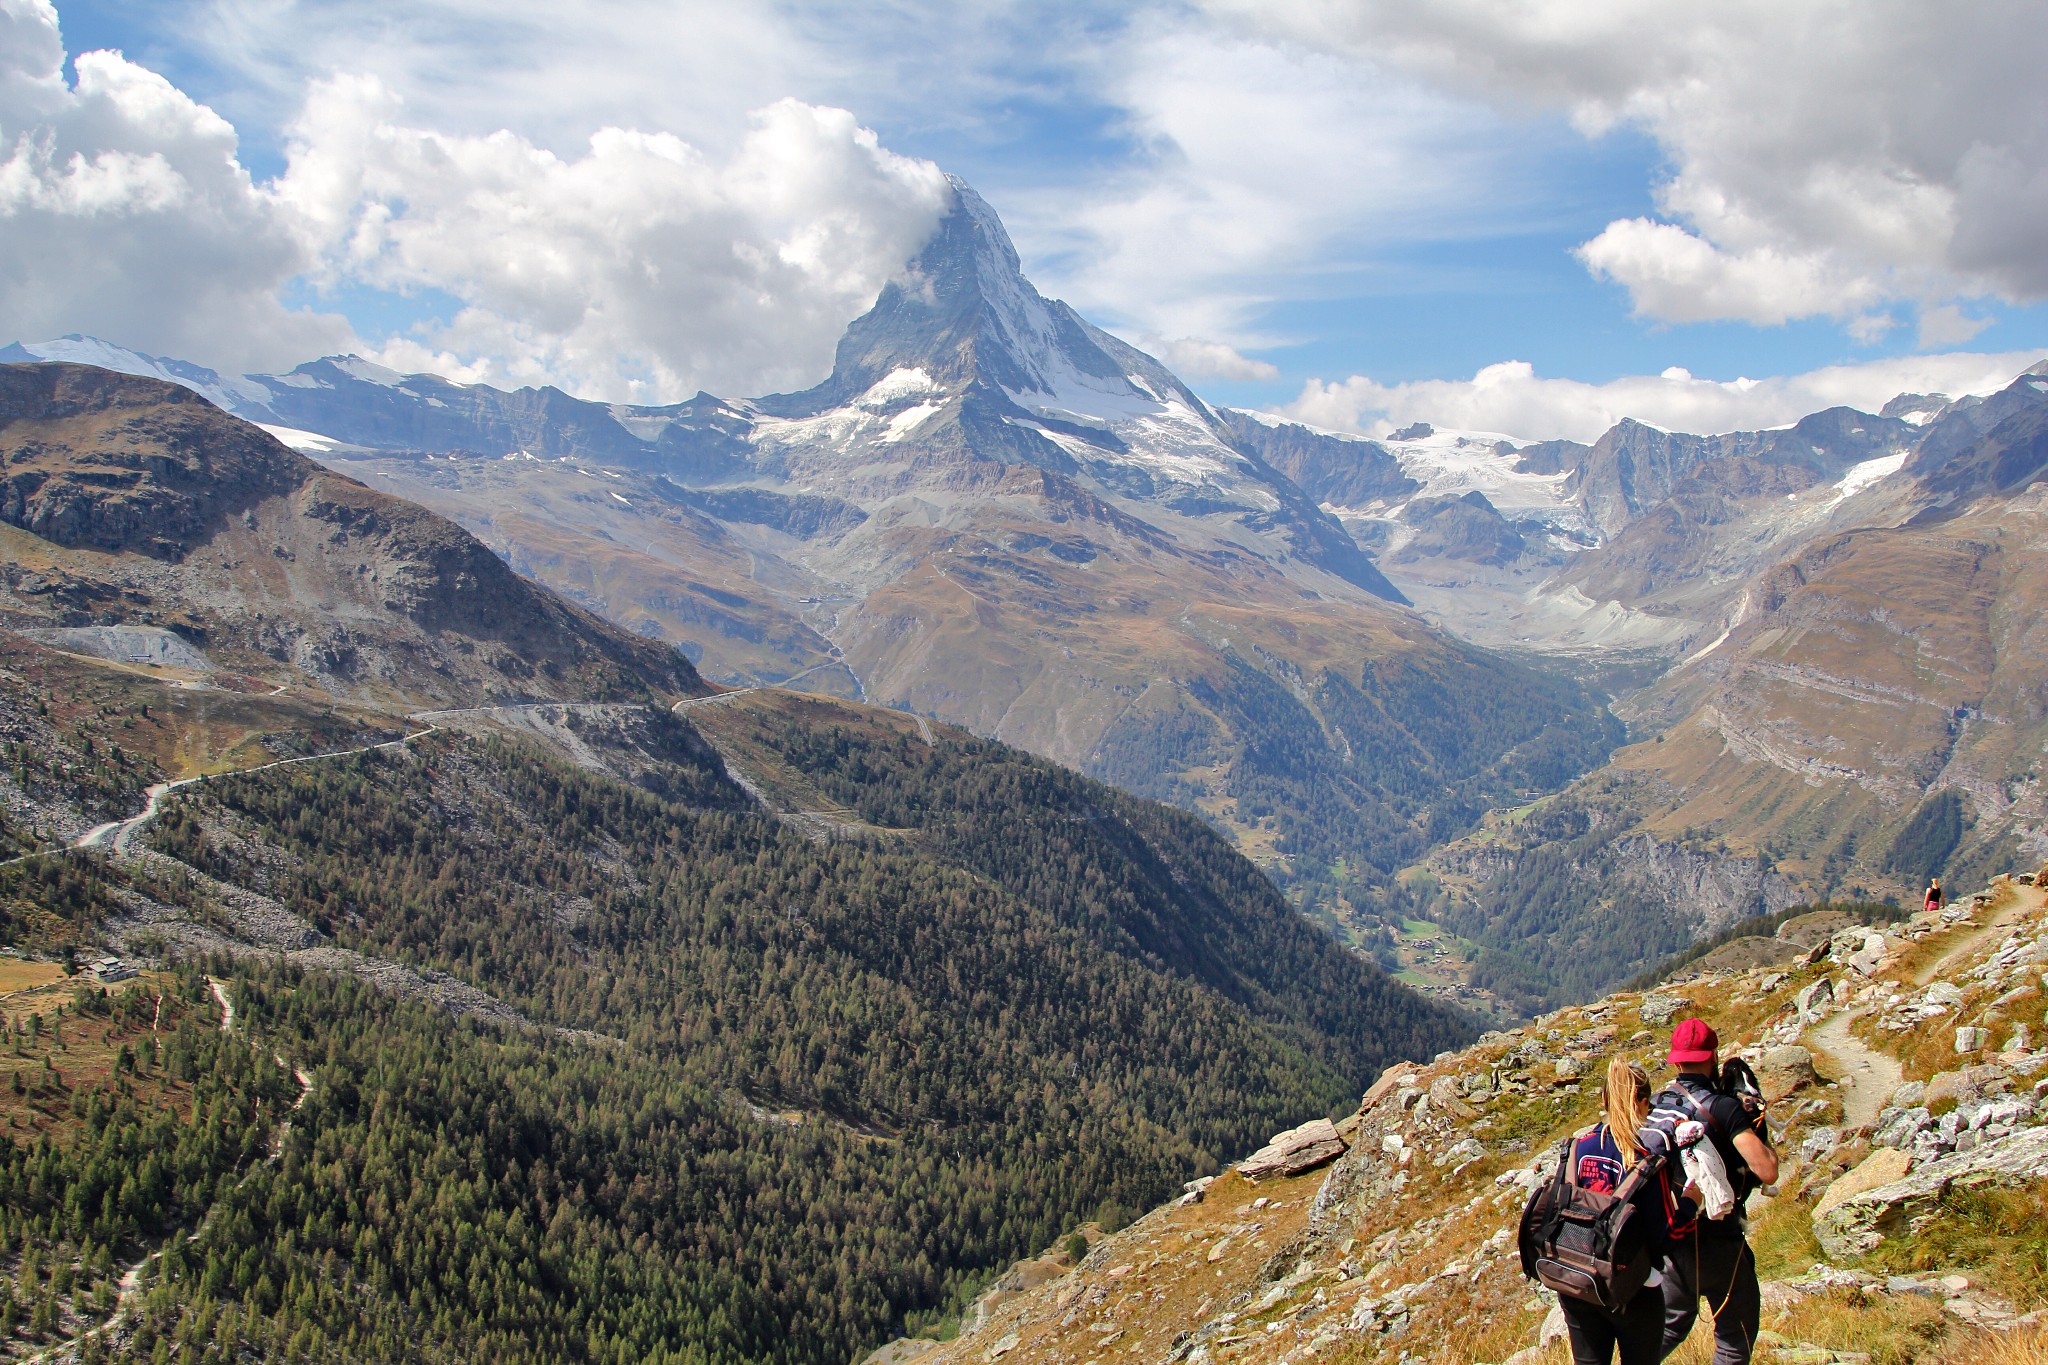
(720, 883)
(1520, 717)
(464, 979)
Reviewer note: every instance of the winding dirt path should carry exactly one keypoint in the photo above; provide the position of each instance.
(120, 834)
(1868, 1077)
(2019, 902)
(692, 703)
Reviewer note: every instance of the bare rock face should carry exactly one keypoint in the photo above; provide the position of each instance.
(1314, 1144)
(143, 508)
(1865, 1207)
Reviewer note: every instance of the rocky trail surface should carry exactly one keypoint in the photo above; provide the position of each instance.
(1868, 1077)
(1402, 1248)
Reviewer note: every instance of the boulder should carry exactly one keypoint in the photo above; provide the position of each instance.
(1969, 1039)
(1314, 1144)
(1909, 1095)
(1659, 1010)
(1785, 1069)
(1444, 1096)
(1395, 1077)
(1820, 1144)
(1869, 958)
(1597, 1039)
(1962, 1087)
(1815, 1000)
(1859, 1220)
(1882, 1167)
(1458, 1153)
(1901, 1128)
(1942, 995)
(1814, 928)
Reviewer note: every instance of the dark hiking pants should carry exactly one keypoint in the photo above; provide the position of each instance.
(1636, 1331)
(1721, 1270)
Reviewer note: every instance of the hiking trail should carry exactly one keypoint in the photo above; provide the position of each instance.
(2021, 901)
(1868, 1077)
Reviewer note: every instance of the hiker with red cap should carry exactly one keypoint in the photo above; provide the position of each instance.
(1713, 1260)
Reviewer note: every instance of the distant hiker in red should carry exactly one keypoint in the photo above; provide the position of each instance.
(1715, 1260)
(1934, 897)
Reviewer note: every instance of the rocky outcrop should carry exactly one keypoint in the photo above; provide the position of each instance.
(1295, 1151)
(1867, 1213)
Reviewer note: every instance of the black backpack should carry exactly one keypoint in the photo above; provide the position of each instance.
(1586, 1245)
(1674, 1104)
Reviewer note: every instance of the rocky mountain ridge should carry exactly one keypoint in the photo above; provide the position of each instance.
(1907, 1105)
(996, 515)
(134, 506)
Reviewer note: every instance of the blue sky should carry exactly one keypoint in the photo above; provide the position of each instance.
(1340, 210)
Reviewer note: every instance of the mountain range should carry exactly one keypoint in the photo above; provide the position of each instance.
(1396, 671)
(486, 985)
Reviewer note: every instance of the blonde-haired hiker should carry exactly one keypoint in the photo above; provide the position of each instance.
(1600, 1158)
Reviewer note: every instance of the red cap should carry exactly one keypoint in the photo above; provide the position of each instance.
(1692, 1041)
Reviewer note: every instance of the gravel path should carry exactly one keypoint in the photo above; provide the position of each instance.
(1868, 1077)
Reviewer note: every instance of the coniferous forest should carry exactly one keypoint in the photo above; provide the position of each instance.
(744, 1088)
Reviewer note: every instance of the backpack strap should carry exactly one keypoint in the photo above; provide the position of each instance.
(1706, 1115)
(1566, 1177)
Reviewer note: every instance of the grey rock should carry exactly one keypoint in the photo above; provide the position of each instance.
(1910, 1094)
(1858, 1224)
(1819, 1144)
(1869, 957)
(1814, 1000)
(1458, 1153)
(1944, 993)
(1901, 1127)
(1313, 1144)
(1660, 1010)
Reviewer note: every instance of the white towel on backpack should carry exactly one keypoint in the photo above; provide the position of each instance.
(1704, 1169)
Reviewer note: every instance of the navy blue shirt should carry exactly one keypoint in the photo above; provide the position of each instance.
(1597, 1166)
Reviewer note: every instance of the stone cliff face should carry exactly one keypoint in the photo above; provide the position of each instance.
(132, 501)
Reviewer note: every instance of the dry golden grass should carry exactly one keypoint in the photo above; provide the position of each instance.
(2025, 1346)
(81, 1053)
(17, 975)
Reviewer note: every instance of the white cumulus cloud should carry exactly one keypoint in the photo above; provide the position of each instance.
(1195, 358)
(1824, 157)
(125, 212)
(639, 267)
(1511, 398)
(640, 270)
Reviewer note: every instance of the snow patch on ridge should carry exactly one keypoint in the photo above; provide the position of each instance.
(308, 442)
(898, 384)
(356, 367)
(907, 421)
(1867, 473)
